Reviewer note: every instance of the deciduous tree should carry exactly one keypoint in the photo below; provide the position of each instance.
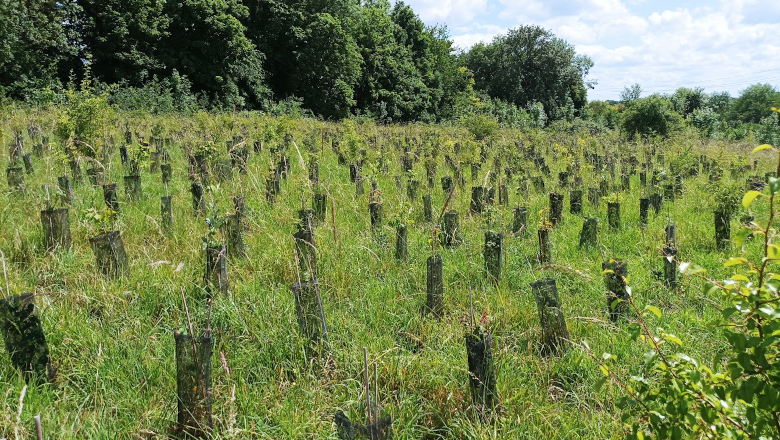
(529, 64)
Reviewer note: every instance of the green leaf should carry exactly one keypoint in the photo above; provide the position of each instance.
(741, 236)
(634, 331)
(654, 310)
(600, 383)
(673, 338)
(762, 148)
(773, 251)
(774, 184)
(735, 262)
(748, 198)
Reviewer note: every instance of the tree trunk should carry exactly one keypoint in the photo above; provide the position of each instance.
(670, 267)
(401, 244)
(615, 272)
(133, 187)
(520, 219)
(493, 254)
(234, 238)
(375, 213)
(644, 207)
(166, 212)
(110, 254)
(110, 198)
(545, 251)
(450, 233)
(589, 233)
(482, 374)
(575, 202)
(556, 208)
(613, 215)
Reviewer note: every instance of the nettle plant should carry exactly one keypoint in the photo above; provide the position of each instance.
(737, 394)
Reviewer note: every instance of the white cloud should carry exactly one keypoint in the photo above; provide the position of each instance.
(465, 41)
(451, 12)
(467, 36)
(719, 46)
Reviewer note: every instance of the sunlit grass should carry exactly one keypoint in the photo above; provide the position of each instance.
(112, 341)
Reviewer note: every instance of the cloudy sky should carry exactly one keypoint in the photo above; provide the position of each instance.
(721, 45)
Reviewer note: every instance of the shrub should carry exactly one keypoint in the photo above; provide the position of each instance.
(171, 94)
(481, 126)
(737, 394)
(653, 115)
(87, 117)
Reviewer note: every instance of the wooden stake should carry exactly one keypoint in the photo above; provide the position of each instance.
(38, 427)
(368, 384)
(6, 293)
(471, 308)
(376, 388)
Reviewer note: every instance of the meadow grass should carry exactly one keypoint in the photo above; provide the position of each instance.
(112, 341)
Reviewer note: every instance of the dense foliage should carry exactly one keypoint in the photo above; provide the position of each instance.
(529, 65)
(736, 393)
(331, 58)
(716, 115)
(336, 59)
(32, 44)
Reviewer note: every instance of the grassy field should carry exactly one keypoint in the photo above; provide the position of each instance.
(112, 343)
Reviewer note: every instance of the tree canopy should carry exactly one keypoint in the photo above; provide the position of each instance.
(33, 42)
(529, 64)
(334, 57)
(755, 103)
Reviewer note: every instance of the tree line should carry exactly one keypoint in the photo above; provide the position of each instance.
(335, 59)
(713, 115)
(329, 58)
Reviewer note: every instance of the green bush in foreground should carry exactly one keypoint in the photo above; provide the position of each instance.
(737, 395)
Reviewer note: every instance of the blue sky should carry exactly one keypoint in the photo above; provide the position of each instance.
(720, 45)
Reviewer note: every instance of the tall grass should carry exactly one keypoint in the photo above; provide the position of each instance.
(112, 341)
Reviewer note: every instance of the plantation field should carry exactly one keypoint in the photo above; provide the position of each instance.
(111, 340)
